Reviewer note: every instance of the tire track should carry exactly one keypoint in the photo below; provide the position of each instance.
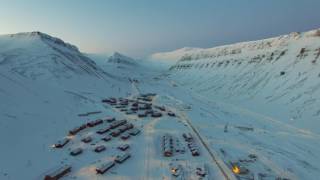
(228, 175)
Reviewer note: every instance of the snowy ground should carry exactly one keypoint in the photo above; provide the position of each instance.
(282, 150)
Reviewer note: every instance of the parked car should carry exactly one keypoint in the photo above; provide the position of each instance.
(167, 145)
(142, 115)
(187, 137)
(156, 114)
(195, 152)
(201, 171)
(109, 100)
(172, 114)
(167, 152)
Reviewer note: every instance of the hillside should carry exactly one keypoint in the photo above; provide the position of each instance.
(45, 84)
(278, 77)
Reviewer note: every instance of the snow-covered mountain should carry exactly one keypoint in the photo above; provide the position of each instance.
(45, 84)
(37, 55)
(173, 56)
(121, 59)
(167, 59)
(278, 77)
(120, 66)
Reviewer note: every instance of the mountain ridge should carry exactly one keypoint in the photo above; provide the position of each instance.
(44, 37)
(234, 48)
(119, 58)
(32, 52)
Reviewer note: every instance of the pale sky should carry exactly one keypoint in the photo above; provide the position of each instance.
(140, 27)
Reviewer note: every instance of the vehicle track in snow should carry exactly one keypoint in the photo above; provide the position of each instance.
(226, 172)
(148, 129)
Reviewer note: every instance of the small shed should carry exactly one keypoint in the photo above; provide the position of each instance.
(76, 152)
(123, 147)
(125, 136)
(86, 139)
(58, 173)
(105, 167)
(123, 157)
(61, 143)
(134, 132)
(106, 138)
(99, 148)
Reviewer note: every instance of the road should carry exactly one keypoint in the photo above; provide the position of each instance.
(225, 171)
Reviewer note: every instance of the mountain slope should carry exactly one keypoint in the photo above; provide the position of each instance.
(45, 84)
(47, 58)
(279, 76)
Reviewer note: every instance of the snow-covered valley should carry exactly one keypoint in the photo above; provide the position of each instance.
(252, 106)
